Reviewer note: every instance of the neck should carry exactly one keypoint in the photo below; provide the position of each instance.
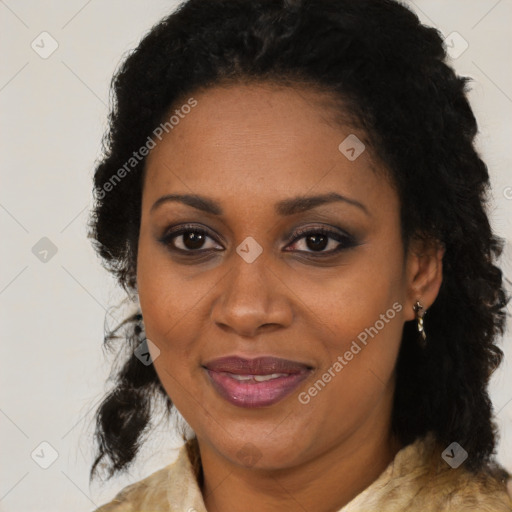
(324, 483)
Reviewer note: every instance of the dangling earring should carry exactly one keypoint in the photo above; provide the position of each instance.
(418, 309)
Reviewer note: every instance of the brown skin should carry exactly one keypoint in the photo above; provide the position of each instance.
(248, 147)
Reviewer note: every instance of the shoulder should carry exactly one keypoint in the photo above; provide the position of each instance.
(420, 480)
(149, 492)
(174, 487)
(440, 485)
(460, 489)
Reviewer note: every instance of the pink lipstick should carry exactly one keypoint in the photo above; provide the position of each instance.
(256, 382)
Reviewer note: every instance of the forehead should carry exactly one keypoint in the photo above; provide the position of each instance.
(261, 141)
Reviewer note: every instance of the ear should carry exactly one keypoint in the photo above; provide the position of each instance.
(424, 273)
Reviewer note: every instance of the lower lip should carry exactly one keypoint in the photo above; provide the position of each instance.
(255, 394)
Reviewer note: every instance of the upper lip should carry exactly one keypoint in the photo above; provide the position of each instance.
(257, 366)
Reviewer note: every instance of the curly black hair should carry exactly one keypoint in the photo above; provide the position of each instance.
(389, 73)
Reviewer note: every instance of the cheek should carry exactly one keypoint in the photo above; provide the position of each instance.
(365, 293)
(172, 300)
(359, 315)
(167, 305)
(361, 346)
(164, 302)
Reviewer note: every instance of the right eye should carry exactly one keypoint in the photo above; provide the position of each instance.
(187, 239)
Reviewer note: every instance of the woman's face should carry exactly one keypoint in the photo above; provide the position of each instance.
(261, 271)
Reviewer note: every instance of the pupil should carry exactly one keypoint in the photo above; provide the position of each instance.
(319, 242)
(193, 240)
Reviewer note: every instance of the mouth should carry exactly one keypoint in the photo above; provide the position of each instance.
(258, 382)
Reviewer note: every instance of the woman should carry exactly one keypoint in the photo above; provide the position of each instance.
(288, 188)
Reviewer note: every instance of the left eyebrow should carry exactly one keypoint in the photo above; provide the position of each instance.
(303, 203)
(284, 207)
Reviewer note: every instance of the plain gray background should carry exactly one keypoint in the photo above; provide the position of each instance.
(53, 305)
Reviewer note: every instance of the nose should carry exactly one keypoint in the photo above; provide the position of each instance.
(252, 299)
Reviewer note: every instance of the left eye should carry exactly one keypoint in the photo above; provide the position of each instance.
(319, 239)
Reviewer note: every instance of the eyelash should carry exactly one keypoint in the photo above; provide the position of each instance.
(346, 241)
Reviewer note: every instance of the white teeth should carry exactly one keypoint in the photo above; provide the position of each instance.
(263, 378)
(241, 377)
(258, 378)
